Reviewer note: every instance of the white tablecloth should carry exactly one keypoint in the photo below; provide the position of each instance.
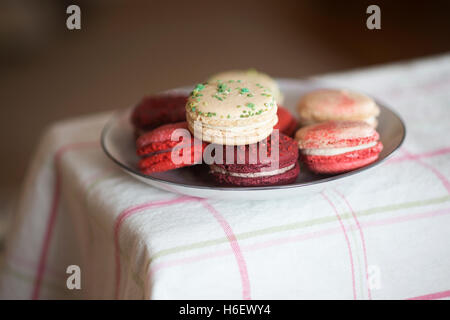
(383, 236)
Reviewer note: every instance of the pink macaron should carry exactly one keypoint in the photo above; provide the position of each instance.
(158, 148)
(338, 146)
(336, 104)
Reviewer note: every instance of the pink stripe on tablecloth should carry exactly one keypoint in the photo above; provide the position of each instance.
(432, 296)
(223, 223)
(347, 240)
(292, 239)
(242, 265)
(251, 247)
(361, 233)
(409, 217)
(55, 202)
(417, 156)
(126, 214)
(436, 172)
(332, 231)
(54, 212)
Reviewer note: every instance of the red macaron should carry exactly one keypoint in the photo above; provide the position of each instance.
(338, 146)
(286, 122)
(165, 148)
(258, 164)
(156, 110)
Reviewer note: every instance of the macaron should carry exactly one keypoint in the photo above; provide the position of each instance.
(336, 104)
(258, 164)
(286, 121)
(156, 110)
(251, 75)
(338, 146)
(168, 147)
(231, 112)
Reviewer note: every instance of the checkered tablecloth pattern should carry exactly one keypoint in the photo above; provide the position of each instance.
(383, 236)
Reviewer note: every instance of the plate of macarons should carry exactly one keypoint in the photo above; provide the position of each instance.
(244, 135)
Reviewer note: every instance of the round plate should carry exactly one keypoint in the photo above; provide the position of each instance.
(119, 144)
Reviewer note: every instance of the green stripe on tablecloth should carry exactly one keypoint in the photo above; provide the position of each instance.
(287, 227)
(297, 225)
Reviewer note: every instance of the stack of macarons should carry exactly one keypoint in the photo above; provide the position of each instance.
(238, 115)
(237, 111)
(338, 131)
(168, 147)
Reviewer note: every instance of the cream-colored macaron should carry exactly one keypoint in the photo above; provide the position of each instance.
(251, 75)
(336, 104)
(231, 112)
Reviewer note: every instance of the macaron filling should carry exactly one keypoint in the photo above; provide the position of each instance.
(221, 170)
(336, 151)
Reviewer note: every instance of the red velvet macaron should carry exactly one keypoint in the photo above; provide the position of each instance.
(286, 122)
(165, 148)
(156, 110)
(259, 164)
(338, 146)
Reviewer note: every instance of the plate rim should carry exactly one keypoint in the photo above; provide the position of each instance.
(253, 188)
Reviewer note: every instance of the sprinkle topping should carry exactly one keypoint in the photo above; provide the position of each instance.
(230, 99)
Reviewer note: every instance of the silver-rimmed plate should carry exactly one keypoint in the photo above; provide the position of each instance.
(119, 144)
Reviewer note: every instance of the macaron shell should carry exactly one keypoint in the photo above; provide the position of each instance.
(343, 162)
(251, 75)
(280, 179)
(335, 134)
(335, 104)
(159, 139)
(247, 159)
(286, 122)
(229, 101)
(156, 110)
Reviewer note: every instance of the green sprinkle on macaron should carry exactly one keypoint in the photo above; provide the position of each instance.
(199, 87)
(221, 87)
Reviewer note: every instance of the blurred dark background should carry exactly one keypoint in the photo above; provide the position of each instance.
(126, 49)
